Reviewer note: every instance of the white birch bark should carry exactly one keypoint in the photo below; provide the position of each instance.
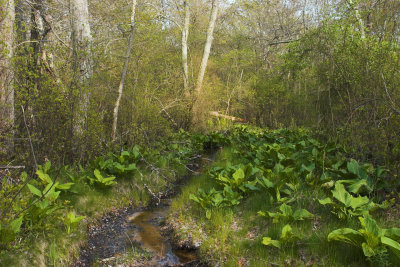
(207, 47)
(7, 18)
(124, 71)
(82, 61)
(359, 18)
(185, 35)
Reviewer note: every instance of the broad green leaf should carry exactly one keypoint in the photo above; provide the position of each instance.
(262, 213)
(360, 186)
(286, 210)
(252, 187)
(393, 245)
(194, 198)
(346, 235)
(356, 202)
(368, 250)
(287, 233)
(136, 151)
(47, 166)
(371, 231)
(325, 201)
(238, 175)
(269, 242)
(34, 190)
(65, 186)
(393, 233)
(341, 194)
(353, 167)
(267, 183)
(302, 214)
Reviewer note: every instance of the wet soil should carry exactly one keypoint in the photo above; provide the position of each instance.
(140, 229)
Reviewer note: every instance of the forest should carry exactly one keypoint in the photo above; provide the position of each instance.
(199, 133)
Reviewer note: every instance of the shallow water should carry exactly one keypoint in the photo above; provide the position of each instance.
(147, 233)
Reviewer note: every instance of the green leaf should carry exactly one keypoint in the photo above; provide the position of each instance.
(269, 242)
(393, 245)
(238, 175)
(65, 186)
(208, 214)
(393, 233)
(23, 176)
(346, 235)
(302, 214)
(34, 190)
(47, 166)
(194, 198)
(353, 167)
(44, 176)
(252, 187)
(368, 251)
(287, 233)
(286, 210)
(15, 225)
(325, 201)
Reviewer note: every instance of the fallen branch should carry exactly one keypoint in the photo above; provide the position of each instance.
(12, 167)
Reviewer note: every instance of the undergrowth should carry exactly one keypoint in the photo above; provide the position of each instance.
(45, 216)
(283, 198)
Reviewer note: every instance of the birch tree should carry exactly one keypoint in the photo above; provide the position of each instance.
(7, 18)
(358, 17)
(124, 70)
(207, 47)
(82, 60)
(185, 35)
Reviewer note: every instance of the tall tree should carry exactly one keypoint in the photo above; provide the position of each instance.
(7, 18)
(185, 35)
(82, 60)
(207, 47)
(124, 70)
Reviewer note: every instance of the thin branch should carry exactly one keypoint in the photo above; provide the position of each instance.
(29, 136)
(392, 104)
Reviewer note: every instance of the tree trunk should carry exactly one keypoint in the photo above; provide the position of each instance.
(82, 61)
(359, 18)
(185, 34)
(7, 18)
(124, 71)
(207, 47)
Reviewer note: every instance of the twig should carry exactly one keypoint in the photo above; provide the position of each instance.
(154, 195)
(29, 136)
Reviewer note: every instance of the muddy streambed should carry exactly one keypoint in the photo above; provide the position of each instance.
(137, 237)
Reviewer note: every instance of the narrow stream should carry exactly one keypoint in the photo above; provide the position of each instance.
(127, 229)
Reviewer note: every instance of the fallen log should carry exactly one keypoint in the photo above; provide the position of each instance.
(235, 119)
